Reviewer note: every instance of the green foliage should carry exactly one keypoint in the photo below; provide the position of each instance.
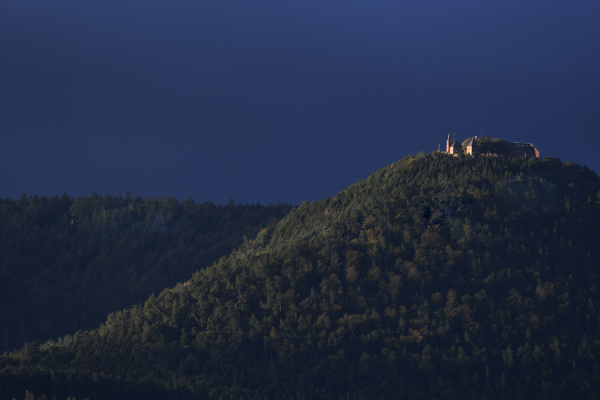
(437, 277)
(66, 263)
(497, 146)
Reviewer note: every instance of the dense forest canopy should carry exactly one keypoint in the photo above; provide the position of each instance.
(437, 277)
(67, 263)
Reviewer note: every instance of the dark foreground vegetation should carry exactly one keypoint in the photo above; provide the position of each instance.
(66, 263)
(436, 278)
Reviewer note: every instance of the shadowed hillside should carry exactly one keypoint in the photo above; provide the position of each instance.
(66, 263)
(437, 277)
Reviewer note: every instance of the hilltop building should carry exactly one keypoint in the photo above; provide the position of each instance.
(526, 150)
(454, 146)
(469, 146)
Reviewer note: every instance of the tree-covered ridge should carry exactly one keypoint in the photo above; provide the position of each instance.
(437, 277)
(66, 263)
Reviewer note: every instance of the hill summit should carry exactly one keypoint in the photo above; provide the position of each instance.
(437, 277)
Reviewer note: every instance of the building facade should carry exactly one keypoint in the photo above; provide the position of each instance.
(469, 146)
(526, 150)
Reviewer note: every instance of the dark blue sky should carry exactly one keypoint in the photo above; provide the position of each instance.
(267, 101)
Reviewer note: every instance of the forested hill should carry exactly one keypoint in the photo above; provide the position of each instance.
(438, 277)
(66, 263)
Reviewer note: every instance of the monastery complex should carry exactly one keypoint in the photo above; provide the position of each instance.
(471, 147)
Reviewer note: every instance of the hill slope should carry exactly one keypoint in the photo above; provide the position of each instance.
(66, 263)
(437, 277)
